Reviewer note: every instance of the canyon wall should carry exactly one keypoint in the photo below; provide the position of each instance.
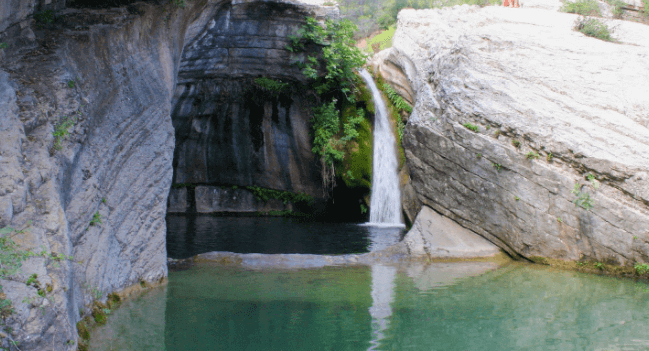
(526, 131)
(87, 144)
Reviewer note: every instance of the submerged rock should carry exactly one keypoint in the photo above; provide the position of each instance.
(527, 132)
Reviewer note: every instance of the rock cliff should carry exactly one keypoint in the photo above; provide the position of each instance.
(526, 131)
(87, 141)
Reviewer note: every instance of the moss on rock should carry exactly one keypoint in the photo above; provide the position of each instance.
(357, 164)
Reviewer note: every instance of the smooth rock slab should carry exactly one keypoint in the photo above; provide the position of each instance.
(436, 236)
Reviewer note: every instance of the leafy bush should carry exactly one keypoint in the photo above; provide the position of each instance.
(641, 268)
(593, 28)
(337, 56)
(582, 7)
(3, 46)
(617, 9)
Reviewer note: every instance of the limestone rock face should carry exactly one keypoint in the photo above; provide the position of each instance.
(111, 73)
(229, 131)
(556, 112)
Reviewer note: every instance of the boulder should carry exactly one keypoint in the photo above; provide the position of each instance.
(436, 236)
(528, 132)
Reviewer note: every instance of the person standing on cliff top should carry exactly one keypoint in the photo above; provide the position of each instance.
(511, 3)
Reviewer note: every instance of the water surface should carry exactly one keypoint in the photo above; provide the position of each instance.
(189, 235)
(441, 306)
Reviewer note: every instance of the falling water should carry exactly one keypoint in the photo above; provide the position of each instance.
(385, 205)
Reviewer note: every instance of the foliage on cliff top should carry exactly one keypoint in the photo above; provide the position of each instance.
(338, 56)
(332, 72)
(582, 7)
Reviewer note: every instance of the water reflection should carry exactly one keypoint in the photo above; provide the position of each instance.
(382, 296)
(441, 306)
(189, 235)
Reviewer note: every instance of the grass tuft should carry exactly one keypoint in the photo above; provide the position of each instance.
(471, 127)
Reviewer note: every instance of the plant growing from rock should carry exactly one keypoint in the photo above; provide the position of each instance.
(336, 55)
(471, 127)
(396, 99)
(641, 268)
(582, 7)
(583, 199)
(11, 260)
(532, 155)
(96, 219)
(271, 85)
(3, 46)
(61, 131)
(516, 143)
(593, 28)
(549, 157)
(618, 7)
(179, 3)
(497, 166)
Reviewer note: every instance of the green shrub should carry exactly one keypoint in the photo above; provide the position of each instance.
(96, 219)
(396, 99)
(583, 199)
(641, 268)
(617, 9)
(61, 131)
(471, 127)
(45, 17)
(336, 55)
(179, 3)
(3, 46)
(582, 7)
(593, 28)
(516, 143)
(532, 155)
(264, 194)
(271, 85)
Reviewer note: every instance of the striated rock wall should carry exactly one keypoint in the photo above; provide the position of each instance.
(112, 73)
(228, 130)
(551, 107)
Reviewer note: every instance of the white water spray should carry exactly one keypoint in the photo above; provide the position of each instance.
(385, 205)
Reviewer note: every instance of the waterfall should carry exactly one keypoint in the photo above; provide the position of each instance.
(385, 204)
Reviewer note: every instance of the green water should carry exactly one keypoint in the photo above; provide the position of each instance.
(459, 306)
